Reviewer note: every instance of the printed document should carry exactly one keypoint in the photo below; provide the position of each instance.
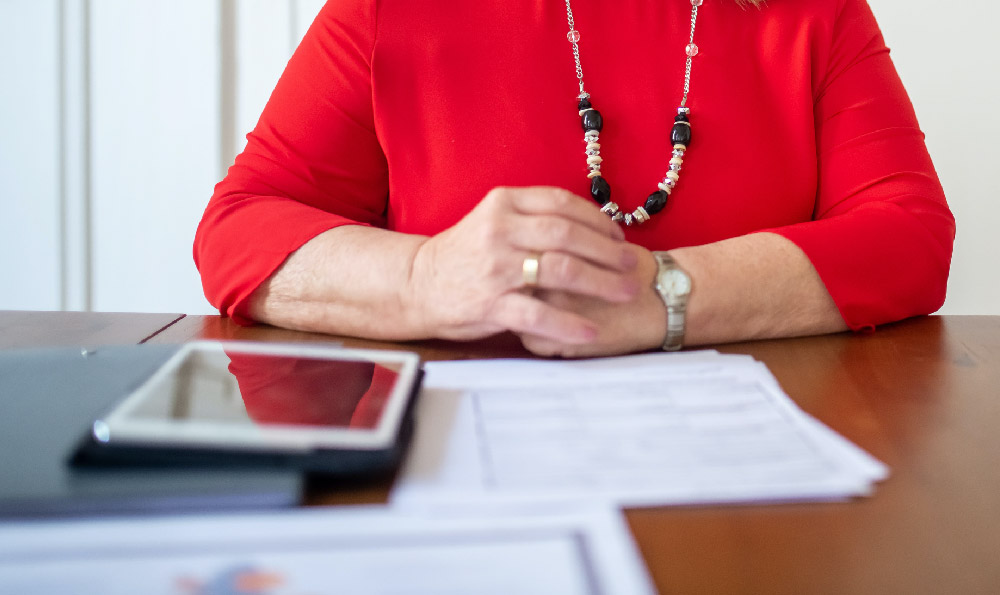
(646, 430)
(575, 551)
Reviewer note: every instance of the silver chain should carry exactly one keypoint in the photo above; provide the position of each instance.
(576, 49)
(579, 66)
(687, 63)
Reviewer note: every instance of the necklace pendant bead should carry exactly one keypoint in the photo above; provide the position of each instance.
(640, 215)
(600, 190)
(691, 50)
(681, 134)
(573, 36)
(696, 2)
(656, 202)
(592, 120)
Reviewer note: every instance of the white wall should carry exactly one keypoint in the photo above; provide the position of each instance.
(949, 59)
(117, 117)
(30, 247)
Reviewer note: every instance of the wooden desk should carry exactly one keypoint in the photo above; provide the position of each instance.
(922, 396)
(20, 330)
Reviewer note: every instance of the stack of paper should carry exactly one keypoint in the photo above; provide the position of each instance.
(639, 431)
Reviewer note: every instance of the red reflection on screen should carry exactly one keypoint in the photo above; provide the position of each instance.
(312, 392)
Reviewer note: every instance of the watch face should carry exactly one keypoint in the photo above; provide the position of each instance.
(675, 282)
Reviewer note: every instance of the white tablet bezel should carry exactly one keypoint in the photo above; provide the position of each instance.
(118, 428)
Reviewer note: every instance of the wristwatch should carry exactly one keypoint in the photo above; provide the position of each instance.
(674, 287)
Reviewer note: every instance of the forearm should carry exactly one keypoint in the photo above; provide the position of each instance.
(464, 283)
(753, 287)
(351, 280)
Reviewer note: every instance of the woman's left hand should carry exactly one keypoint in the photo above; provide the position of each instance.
(627, 327)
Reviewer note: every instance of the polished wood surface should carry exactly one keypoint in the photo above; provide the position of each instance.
(922, 395)
(78, 329)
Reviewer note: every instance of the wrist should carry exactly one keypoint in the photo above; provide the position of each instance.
(414, 305)
(673, 285)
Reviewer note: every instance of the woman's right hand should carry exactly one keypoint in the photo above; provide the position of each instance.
(467, 282)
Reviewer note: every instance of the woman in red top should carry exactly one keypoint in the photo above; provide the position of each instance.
(420, 171)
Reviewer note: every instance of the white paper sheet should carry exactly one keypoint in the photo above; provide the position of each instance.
(652, 429)
(581, 550)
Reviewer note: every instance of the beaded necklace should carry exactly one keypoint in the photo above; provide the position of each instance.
(593, 123)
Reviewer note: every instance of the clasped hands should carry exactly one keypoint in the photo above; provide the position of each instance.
(593, 294)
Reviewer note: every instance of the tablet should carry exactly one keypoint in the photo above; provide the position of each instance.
(320, 408)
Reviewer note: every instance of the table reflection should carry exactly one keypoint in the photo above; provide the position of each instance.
(312, 392)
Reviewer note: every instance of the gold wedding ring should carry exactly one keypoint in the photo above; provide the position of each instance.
(529, 269)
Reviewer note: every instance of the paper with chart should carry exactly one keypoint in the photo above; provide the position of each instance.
(642, 430)
(584, 550)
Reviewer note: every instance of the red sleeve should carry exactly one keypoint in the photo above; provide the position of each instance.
(882, 236)
(312, 163)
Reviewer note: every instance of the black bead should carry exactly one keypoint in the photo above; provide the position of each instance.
(592, 120)
(681, 135)
(600, 190)
(656, 202)
(585, 104)
(681, 117)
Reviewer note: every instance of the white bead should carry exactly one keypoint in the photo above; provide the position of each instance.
(594, 159)
(665, 188)
(593, 146)
(680, 147)
(673, 176)
(676, 161)
(596, 173)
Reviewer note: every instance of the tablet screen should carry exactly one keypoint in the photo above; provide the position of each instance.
(248, 388)
(210, 390)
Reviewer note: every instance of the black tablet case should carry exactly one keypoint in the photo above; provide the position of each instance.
(49, 398)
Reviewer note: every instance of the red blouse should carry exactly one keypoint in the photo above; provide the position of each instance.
(404, 114)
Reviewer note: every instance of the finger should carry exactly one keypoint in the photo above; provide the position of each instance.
(564, 272)
(547, 200)
(545, 233)
(521, 313)
(549, 348)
